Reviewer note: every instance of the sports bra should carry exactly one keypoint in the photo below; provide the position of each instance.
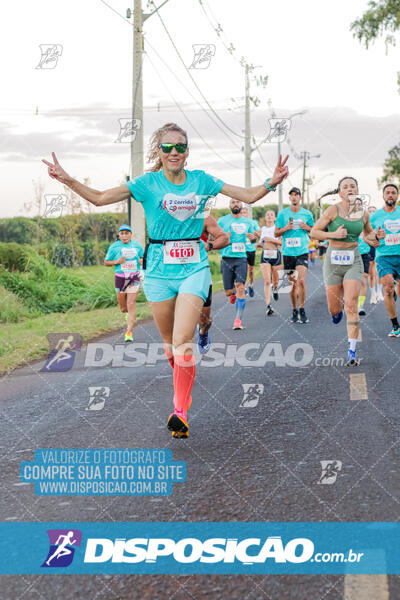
(354, 228)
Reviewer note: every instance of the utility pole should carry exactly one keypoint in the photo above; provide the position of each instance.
(306, 156)
(135, 209)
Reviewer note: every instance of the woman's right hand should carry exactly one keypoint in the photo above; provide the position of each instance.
(56, 171)
(341, 232)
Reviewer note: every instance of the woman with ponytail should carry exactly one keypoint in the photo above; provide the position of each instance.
(341, 224)
(178, 275)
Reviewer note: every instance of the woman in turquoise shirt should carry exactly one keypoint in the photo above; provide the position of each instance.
(177, 270)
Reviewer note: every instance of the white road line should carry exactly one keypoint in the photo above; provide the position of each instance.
(358, 387)
(366, 587)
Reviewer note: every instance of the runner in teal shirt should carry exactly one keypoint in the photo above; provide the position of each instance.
(251, 251)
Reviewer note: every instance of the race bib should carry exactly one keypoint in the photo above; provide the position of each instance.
(342, 257)
(293, 242)
(270, 254)
(129, 266)
(181, 252)
(392, 239)
(236, 247)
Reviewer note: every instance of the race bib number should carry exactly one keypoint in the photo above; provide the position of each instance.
(236, 247)
(181, 252)
(293, 242)
(129, 266)
(342, 257)
(270, 254)
(392, 239)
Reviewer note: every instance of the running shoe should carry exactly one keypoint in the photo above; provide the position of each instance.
(337, 318)
(269, 311)
(232, 298)
(303, 317)
(373, 299)
(128, 336)
(275, 294)
(394, 332)
(352, 359)
(237, 324)
(380, 296)
(177, 423)
(203, 342)
(295, 316)
(361, 311)
(246, 292)
(251, 291)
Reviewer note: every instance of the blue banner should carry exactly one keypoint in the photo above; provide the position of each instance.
(188, 548)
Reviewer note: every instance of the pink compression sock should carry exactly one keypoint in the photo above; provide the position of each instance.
(184, 374)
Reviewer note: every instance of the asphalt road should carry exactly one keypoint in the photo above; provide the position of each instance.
(252, 458)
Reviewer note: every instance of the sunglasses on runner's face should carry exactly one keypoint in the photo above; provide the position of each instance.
(180, 148)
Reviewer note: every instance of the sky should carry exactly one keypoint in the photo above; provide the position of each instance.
(306, 49)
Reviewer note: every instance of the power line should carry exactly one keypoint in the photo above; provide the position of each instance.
(193, 80)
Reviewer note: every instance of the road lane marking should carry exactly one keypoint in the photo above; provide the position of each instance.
(366, 587)
(358, 387)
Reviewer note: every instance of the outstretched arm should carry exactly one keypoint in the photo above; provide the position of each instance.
(251, 195)
(93, 196)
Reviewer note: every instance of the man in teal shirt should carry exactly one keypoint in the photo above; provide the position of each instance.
(294, 224)
(234, 257)
(251, 249)
(388, 251)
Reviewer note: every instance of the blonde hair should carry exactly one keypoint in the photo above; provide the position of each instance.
(155, 140)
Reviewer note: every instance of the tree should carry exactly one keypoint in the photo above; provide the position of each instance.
(391, 168)
(380, 17)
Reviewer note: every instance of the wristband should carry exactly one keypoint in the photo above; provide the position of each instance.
(376, 237)
(210, 246)
(271, 189)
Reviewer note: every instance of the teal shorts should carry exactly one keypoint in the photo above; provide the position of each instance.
(158, 289)
(388, 265)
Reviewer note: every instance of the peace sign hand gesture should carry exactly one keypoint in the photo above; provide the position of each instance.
(281, 171)
(56, 171)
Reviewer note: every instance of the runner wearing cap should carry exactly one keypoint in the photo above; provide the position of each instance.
(343, 267)
(251, 249)
(388, 251)
(234, 258)
(271, 259)
(125, 256)
(214, 238)
(177, 271)
(294, 224)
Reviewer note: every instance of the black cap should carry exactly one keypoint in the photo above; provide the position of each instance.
(296, 190)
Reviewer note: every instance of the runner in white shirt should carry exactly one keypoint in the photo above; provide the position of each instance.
(271, 259)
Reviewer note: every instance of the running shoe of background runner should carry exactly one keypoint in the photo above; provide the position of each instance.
(275, 294)
(337, 318)
(373, 299)
(352, 360)
(269, 310)
(295, 316)
(128, 336)
(394, 332)
(251, 291)
(302, 316)
(237, 324)
(232, 298)
(380, 296)
(361, 311)
(203, 342)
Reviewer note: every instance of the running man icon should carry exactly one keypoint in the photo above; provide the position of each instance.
(61, 550)
(63, 347)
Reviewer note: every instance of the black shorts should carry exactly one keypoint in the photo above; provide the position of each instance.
(251, 258)
(366, 261)
(322, 249)
(274, 262)
(291, 262)
(371, 253)
(209, 298)
(233, 270)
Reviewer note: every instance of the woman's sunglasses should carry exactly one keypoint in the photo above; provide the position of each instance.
(180, 148)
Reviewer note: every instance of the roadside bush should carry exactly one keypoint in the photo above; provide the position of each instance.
(14, 257)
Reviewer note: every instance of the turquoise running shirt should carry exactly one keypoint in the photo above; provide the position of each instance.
(251, 247)
(133, 251)
(363, 247)
(295, 241)
(238, 229)
(174, 212)
(390, 222)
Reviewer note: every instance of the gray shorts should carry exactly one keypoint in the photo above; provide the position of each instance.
(233, 270)
(336, 274)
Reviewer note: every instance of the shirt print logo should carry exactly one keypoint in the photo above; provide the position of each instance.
(392, 225)
(180, 207)
(238, 228)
